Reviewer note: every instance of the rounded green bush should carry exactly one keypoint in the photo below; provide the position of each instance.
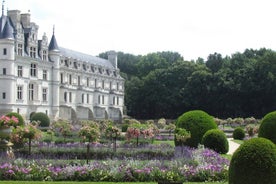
(42, 117)
(216, 140)
(18, 116)
(196, 122)
(268, 127)
(254, 162)
(238, 133)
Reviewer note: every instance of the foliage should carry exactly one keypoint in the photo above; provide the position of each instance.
(18, 116)
(89, 133)
(63, 127)
(196, 165)
(268, 127)
(180, 136)
(29, 131)
(238, 133)
(254, 162)
(252, 129)
(42, 118)
(136, 130)
(6, 121)
(161, 123)
(164, 85)
(197, 122)
(216, 140)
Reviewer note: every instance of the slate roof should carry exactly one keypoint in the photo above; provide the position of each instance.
(6, 28)
(85, 57)
(53, 43)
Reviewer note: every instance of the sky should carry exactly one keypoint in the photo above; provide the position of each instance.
(193, 28)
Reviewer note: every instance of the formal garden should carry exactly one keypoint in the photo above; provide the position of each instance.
(192, 148)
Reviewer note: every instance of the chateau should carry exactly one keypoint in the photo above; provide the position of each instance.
(37, 76)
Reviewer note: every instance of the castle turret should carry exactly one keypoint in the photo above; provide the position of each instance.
(54, 56)
(7, 41)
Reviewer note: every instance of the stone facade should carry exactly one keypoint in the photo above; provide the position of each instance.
(39, 77)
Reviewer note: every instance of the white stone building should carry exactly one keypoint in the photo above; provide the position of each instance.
(39, 77)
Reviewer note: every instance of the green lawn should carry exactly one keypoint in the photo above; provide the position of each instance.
(62, 182)
(238, 141)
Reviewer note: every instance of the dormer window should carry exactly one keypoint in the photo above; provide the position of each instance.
(33, 52)
(44, 55)
(20, 49)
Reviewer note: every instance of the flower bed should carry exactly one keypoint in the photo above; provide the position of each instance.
(186, 165)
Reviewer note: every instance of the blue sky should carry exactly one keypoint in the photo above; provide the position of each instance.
(194, 28)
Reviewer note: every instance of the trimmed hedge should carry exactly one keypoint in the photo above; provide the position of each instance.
(268, 127)
(196, 122)
(216, 140)
(18, 116)
(42, 117)
(254, 162)
(239, 133)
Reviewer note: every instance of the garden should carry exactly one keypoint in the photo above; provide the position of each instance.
(191, 149)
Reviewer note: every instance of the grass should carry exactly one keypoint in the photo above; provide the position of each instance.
(164, 142)
(73, 182)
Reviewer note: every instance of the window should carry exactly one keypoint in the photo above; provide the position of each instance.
(117, 85)
(19, 92)
(20, 49)
(87, 98)
(113, 100)
(103, 84)
(4, 51)
(70, 97)
(44, 75)
(33, 52)
(79, 80)
(117, 100)
(33, 70)
(65, 96)
(4, 95)
(103, 99)
(82, 98)
(4, 71)
(99, 99)
(31, 92)
(95, 83)
(19, 71)
(110, 85)
(44, 55)
(61, 78)
(44, 94)
(87, 82)
(70, 79)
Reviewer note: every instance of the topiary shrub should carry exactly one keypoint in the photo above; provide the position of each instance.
(196, 122)
(42, 117)
(268, 127)
(254, 162)
(181, 136)
(216, 140)
(18, 116)
(238, 133)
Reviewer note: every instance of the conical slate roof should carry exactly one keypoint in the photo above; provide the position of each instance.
(53, 44)
(7, 31)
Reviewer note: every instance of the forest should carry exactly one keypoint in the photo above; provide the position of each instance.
(164, 85)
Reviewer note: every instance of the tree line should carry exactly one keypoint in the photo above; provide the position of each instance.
(163, 84)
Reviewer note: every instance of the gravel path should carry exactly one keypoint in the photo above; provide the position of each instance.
(232, 146)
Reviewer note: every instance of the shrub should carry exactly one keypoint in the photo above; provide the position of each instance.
(268, 127)
(42, 117)
(254, 162)
(18, 116)
(124, 127)
(216, 140)
(196, 122)
(180, 136)
(238, 133)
